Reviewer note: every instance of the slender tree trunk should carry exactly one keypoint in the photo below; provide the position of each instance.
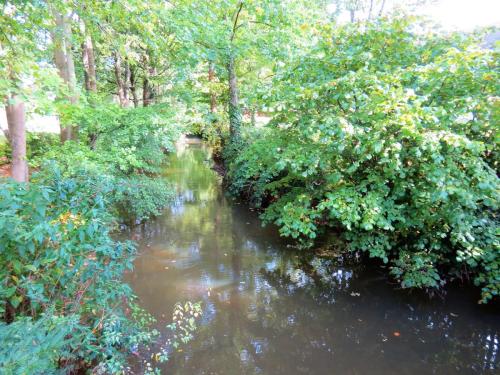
(126, 83)
(234, 108)
(381, 8)
(352, 14)
(16, 122)
(63, 57)
(133, 90)
(370, 10)
(148, 94)
(213, 98)
(119, 80)
(89, 64)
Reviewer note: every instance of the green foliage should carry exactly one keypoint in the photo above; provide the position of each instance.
(127, 147)
(37, 144)
(132, 140)
(35, 346)
(388, 134)
(61, 268)
(140, 197)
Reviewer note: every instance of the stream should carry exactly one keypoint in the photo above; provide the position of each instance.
(271, 309)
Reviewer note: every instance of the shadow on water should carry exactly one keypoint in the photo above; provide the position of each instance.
(268, 309)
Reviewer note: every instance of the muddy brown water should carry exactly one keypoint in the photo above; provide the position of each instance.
(269, 309)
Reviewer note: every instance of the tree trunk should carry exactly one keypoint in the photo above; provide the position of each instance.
(63, 57)
(213, 98)
(119, 81)
(370, 10)
(89, 64)
(133, 90)
(234, 108)
(16, 122)
(148, 94)
(381, 8)
(352, 14)
(126, 83)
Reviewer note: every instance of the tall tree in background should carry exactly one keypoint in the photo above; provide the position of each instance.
(17, 48)
(362, 10)
(234, 105)
(88, 59)
(234, 36)
(63, 58)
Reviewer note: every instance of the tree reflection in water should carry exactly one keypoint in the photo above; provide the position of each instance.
(272, 310)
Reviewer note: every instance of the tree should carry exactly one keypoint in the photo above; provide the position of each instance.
(17, 47)
(362, 10)
(240, 40)
(16, 119)
(88, 60)
(63, 58)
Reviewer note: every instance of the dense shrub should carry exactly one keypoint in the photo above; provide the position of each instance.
(124, 140)
(128, 147)
(61, 276)
(387, 133)
(139, 198)
(63, 304)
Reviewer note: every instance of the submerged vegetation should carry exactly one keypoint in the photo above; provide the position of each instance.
(382, 131)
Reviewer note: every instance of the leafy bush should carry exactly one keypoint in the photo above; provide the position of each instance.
(37, 144)
(61, 268)
(140, 197)
(35, 346)
(127, 147)
(133, 140)
(388, 134)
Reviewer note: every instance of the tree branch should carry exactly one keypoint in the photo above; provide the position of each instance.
(236, 21)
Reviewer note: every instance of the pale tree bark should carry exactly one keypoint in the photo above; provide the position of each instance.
(119, 80)
(16, 121)
(126, 83)
(370, 10)
(89, 64)
(63, 57)
(88, 59)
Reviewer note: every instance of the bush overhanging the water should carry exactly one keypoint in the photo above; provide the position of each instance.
(389, 134)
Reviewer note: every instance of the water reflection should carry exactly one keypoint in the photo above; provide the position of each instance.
(271, 310)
